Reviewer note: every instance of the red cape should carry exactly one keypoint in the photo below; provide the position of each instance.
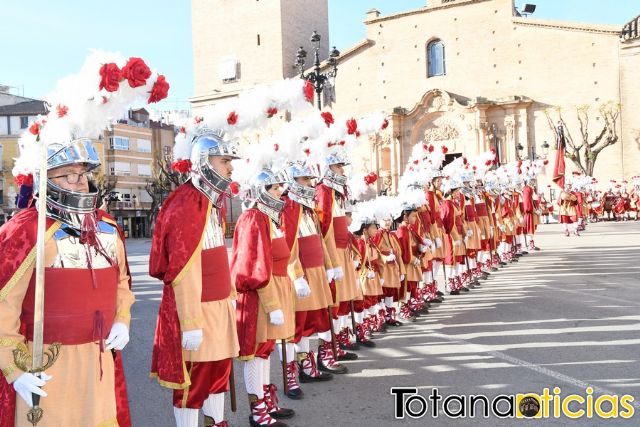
(251, 267)
(17, 238)
(177, 235)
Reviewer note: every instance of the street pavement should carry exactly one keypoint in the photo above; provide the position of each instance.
(567, 316)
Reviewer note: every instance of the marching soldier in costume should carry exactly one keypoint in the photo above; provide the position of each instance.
(568, 202)
(393, 269)
(454, 250)
(309, 266)
(265, 311)
(411, 257)
(87, 301)
(196, 336)
(65, 297)
(331, 197)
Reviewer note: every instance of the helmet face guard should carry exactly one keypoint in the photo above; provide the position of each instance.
(203, 175)
(297, 192)
(261, 197)
(65, 205)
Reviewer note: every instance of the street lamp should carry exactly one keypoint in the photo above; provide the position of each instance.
(316, 77)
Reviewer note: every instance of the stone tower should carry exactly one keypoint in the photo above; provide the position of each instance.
(240, 43)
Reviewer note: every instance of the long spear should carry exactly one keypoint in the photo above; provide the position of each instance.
(35, 413)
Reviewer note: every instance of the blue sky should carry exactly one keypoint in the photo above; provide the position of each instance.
(44, 40)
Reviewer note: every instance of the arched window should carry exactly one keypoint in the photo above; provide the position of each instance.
(435, 58)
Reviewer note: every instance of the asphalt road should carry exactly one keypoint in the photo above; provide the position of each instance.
(567, 316)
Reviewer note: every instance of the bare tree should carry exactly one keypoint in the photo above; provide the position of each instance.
(105, 187)
(163, 181)
(584, 151)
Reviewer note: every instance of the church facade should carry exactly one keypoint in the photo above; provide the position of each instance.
(474, 75)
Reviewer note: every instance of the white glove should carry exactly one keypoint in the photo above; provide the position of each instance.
(438, 242)
(390, 258)
(302, 287)
(356, 264)
(276, 317)
(469, 232)
(27, 384)
(330, 275)
(381, 281)
(427, 242)
(466, 240)
(338, 273)
(371, 274)
(457, 243)
(233, 303)
(423, 248)
(416, 261)
(191, 340)
(118, 337)
(401, 277)
(502, 227)
(538, 212)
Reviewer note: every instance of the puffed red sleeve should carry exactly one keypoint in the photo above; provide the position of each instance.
(251, 261)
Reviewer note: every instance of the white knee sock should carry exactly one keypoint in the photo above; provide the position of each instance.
(436, 267)
(360, 317)
(388, 301)
(186, 417)
(303, 345)
(325, 336)
(266, 370)
(214, 407)
(290, 349)
(253, 377)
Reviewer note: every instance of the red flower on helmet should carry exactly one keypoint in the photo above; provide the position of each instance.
(327, 117)
(488, 163)
(182, 129)
(24, 180)
(276, 147)
(445, 150)
(385, 123)
(464, 160)
(307, 151)
(272, 112)
(431, 148)
(352, 126)
(232, 118)
(308, 91)
(182, 166)
(370, 178)
(136, 72)
(110, 76)
(341, 143)
(62, 110)
(35, 128)
(415, 162)
(234, 187)
(198, 119)
(546, 162)
(160, 90)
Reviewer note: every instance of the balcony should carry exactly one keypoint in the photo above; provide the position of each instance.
(630, 30)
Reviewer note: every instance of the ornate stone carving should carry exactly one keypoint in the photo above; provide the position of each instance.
(445, 131)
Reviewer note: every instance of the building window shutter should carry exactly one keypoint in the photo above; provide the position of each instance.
(435, 59)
